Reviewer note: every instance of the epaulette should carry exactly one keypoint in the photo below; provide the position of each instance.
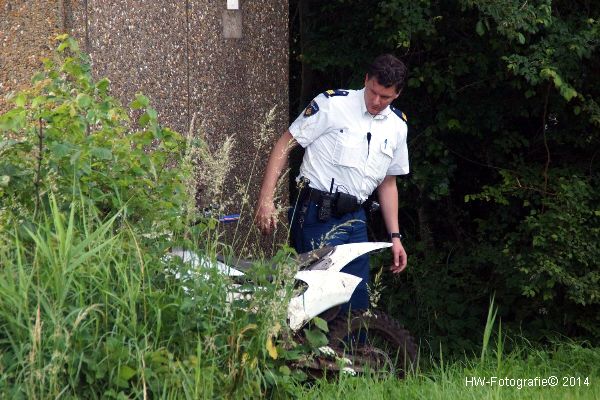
(399, 113)
(336, 92)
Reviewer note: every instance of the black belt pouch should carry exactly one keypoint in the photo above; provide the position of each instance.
(344, 203)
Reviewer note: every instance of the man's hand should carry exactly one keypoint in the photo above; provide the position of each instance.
(400, 257)
(266, 216)
(388, 198)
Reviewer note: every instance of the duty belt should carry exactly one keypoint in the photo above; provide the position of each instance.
(309, 194)
(314, 194)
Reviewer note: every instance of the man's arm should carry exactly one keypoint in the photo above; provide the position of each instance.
(388, 198)
(265, 208)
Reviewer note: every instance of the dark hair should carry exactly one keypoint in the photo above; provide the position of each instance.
(388, 70)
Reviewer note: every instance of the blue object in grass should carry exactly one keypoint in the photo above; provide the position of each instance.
(229, 218)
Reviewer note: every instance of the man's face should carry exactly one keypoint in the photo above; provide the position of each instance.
(378, 97)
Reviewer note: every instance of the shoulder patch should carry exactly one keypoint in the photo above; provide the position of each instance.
(399, 113)
(336, 92)
(311, 109)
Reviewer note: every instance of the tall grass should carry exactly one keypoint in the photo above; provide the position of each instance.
(215, 188)
(90, 310)
(453, 381)
(563, 370)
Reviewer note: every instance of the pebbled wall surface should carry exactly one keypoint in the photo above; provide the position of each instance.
(196, 60)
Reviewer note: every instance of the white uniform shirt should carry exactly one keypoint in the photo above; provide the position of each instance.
(334, 131)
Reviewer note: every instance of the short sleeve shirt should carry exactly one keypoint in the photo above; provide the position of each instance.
(344, 142)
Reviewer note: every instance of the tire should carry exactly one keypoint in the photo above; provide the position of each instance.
(375, 342)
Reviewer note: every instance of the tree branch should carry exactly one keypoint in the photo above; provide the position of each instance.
(544, 129)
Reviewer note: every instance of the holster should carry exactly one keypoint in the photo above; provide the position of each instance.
(344, 203)
(329, 204)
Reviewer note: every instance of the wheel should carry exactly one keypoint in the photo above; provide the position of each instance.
(374, 341)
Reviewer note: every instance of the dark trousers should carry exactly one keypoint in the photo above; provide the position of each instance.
(350, 228)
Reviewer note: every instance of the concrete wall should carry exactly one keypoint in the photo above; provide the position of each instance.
(26, 31)
(226, 67)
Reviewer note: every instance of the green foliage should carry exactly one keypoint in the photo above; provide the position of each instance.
(87, 313)
(558, 266)
(574, 365)
(91, 304)
(502, 105)
(67, 128)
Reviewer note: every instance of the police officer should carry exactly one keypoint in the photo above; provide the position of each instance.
(355, 143)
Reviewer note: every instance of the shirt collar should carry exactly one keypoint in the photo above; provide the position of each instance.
(363, 108)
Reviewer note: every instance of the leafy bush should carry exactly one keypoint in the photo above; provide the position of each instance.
(502, 104)
(67, 136)
(91, 305)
